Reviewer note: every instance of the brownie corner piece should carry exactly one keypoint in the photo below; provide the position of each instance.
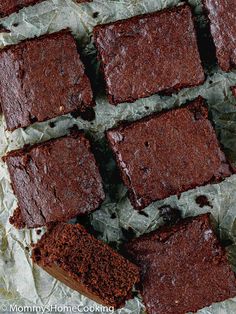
(168, 153)
(55, 181)
(91, 267)
(153, 52)
(43, 78)
(222, 16)
(178, 265)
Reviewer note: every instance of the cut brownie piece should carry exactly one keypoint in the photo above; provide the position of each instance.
(183, 268)
(8, 7)
(55, 181)
(86, 264)
(150, 53)
(42, 78)
(168, 153)
(222, 16)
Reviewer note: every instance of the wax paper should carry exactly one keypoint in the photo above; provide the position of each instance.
(21, 282)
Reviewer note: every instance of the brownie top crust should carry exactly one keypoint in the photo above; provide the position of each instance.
(222, 16)
(56, 180)
(86, 264)
(42, 78)
(150, 53)
(183, 268)
(168, 153)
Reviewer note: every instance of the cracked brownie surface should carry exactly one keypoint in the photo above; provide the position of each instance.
(55, 181)
(183, 268)
(149, 53)
(168, 153)
(43, 78)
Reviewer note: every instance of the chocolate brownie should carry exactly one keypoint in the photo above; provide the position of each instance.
(168, 153)
(183, 268)
(86, 264)
(222, 16)
(149, 53)
(55, 181)
(8, 7)
(42, 78)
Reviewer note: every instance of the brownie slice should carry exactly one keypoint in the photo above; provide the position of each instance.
(183, 268)
(168, 153)
(222, 16)
(86, 264)
(8, 7)
(55, 181)
(42, 78)
(149, 53)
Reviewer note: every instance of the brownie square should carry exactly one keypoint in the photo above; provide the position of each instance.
(183, 268)
(8, 7)
(55, 181)
(222, 16)
(168, 153)
(149, 53)
(42, 78)
(86, 264)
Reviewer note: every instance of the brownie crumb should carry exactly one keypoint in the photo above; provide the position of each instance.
(4, 29)
(95, 14)
(233, 89)
(17, 220)
(87, 115)
(113, 216)
(169, 214)
(202, 201)
(143, 213)
(128, 233)
(38, 231)
(52, 124)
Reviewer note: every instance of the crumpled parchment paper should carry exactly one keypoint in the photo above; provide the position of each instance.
(21, 282)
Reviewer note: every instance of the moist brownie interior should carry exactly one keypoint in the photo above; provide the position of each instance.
(86, 264)
(183, 268)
